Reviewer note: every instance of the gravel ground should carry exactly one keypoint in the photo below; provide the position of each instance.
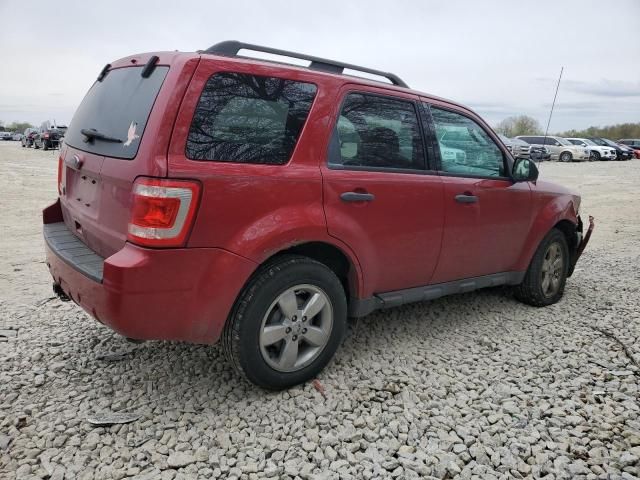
(470, 386)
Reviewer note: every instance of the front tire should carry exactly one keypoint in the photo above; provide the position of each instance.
(596, 156)
(546, 277)
(287, 323)
(566, 157)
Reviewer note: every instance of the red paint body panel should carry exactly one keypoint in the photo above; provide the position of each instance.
(413, 234)
(174, 294)
(551, 204)
(484, 237)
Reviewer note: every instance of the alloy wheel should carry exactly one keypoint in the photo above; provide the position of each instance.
(552, 269)
(296, 328)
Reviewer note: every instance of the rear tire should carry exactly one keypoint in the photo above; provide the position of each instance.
(544, 282)
(44, 146)
(267, 322)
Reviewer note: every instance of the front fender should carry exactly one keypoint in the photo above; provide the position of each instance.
(549, 210)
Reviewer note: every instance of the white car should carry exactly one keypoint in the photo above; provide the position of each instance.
(6, 135)
(597, 152)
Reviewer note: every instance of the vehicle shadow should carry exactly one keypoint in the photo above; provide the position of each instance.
(172, 375)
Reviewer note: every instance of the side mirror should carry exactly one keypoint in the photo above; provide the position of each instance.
(524, 170)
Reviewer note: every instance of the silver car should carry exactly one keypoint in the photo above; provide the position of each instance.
(559, 148)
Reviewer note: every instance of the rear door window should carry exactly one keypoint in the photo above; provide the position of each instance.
(117, 107)
(249, 119)
(377, 132)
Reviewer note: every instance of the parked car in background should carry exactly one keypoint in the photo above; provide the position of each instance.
(518, 148)
(49, 138)
(539, 153)
(17, 136)
(598, 152)
(632, 143)
(622, 152)
(559, 148)
(142, 237)
(27, 137)
(6, 135)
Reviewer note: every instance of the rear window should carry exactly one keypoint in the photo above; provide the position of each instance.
(249, 119)
(117, 107)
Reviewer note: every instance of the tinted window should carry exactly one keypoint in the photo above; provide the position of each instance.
(249, 119)
(117, 107)
(465, 147)
(377, 132)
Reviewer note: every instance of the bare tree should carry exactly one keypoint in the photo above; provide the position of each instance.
(519, 125)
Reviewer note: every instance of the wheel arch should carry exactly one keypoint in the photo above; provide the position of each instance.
(559, 213)
(342, 263)
(563, 152)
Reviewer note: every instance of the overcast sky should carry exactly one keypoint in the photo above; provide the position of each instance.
(501, 58)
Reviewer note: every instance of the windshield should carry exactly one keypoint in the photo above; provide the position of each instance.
(609, 142)
(563, 141)
(599, 141)
(116, 107)
(588, 142)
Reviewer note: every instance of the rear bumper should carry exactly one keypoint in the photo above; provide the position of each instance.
(182, 294)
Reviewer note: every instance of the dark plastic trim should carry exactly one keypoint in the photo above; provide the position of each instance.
(149, 67)
(362, 307)
(230, 48)
(71, 249)
(103, 72)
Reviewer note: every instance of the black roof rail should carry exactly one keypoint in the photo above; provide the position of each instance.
(230, 48)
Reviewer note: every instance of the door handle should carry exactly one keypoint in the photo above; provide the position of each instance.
(466, 198)
(357, 197)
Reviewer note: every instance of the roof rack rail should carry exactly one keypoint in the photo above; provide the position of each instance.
(230, 48)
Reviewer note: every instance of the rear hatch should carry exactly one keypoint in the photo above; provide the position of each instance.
(54, 134)
(113, 139)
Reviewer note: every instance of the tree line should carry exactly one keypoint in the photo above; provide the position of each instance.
(526, 125)
(509, 127)
(15, 126)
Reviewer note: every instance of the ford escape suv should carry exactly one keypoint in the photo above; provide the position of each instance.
(211, 197)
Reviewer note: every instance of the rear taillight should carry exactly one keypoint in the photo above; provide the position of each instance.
(162, 211)
(46, 135)
(60, 164)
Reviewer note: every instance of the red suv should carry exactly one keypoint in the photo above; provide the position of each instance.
(209, 197)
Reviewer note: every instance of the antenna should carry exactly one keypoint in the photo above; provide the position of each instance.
(544, 140)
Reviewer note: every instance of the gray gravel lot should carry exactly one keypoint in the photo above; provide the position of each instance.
(470, 386)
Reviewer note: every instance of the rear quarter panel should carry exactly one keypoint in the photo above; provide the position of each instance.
(258, 210)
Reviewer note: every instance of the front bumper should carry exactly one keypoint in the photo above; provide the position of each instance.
(581, 241)
(182, 294)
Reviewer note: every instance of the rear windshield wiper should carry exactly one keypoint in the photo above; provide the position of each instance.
(92, 133)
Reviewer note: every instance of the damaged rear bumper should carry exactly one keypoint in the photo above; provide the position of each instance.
(581, 241)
